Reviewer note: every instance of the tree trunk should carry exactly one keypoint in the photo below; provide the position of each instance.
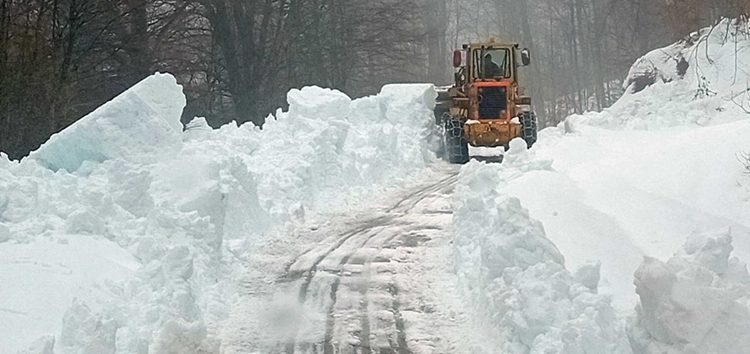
(437, 26)
(138, 43)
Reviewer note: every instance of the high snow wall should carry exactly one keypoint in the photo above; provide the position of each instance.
(171, 209)
(634, 180)
(515, 277)
(701, 80)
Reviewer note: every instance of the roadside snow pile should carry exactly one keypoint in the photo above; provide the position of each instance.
(623, 184)
(183, 205)
(516, 279)
(661, 163)
(110, 197)
(328, 147)
(701, 80)
(697, 302)
(307, 159)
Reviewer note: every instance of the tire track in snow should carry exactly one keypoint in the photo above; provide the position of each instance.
(364, 336)
(310, 277)
(292, 275)
(309, 268)
(328, 339)
(393, 289)
(421, 194)
(400, 346)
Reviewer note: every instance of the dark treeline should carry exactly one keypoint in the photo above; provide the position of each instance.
(60, 59)
(583, 48)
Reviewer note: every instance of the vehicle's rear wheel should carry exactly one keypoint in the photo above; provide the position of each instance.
(529, 127)
(456, 146)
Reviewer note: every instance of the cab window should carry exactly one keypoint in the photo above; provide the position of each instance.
(492, 63)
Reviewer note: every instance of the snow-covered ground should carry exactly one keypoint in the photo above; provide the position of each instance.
(621, 231)
(42, 277)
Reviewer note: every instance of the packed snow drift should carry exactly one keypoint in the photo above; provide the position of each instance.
(626, 187)
(118, 234)
(516, 278)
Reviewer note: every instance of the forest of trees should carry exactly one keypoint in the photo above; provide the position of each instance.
(60, 59)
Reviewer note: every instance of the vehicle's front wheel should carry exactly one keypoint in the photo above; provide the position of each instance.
(529, 127)
(456, 146)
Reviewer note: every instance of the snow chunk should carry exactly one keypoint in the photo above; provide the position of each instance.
(519, 159)
(709, 250)
(404, 99)
(141, 124)
(697, 302)
(589, 274)
(314, 101)
(517, 279)
(4, 233)
(184, 337)
(43, 345)
(198, 128)
(87, 332)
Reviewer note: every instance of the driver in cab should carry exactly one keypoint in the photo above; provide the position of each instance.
(491, 69)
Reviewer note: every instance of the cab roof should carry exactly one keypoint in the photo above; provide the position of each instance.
(492, 42)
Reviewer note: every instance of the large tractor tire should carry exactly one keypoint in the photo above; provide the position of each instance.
(456, 146)
(529, 126)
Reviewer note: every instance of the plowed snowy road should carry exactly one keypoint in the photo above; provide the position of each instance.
(355, 280)
(379, 282)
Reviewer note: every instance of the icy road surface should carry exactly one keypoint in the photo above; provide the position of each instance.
(378, 282)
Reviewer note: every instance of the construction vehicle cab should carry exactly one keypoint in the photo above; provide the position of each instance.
(485, 106)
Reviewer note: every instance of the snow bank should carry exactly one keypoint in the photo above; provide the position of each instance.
(327, 148)
(620, 185)
(701, 80)
(516, 277)
(141, 124)
(185, 205)
(697, 302)
(659, 164)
